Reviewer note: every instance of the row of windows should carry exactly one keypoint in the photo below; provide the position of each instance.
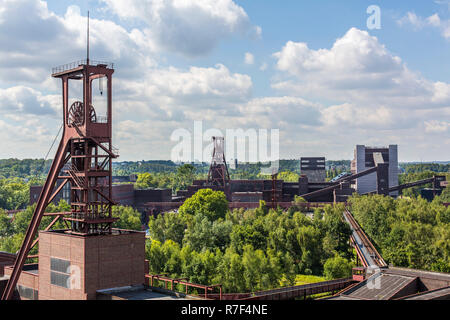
(60, 272)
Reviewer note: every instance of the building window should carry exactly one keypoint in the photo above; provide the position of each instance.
(27, 293)
(60, 272)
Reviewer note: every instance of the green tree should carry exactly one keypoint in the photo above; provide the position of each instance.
(167, 226)
(337, 267)
(337, 231)
(445, 195)
(212, 204)
(129, 218)
(288, 176)
(185, 176)
(145, 181)
(6, 226)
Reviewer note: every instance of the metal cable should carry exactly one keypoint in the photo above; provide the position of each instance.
(39, 172)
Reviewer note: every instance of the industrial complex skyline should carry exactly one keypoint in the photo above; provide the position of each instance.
(317, 72)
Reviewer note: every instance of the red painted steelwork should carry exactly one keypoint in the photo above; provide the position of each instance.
(302, 290)
(84, 138)
(218, 171)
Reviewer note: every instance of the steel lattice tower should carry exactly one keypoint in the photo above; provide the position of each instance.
(83, 159)
(218, 171)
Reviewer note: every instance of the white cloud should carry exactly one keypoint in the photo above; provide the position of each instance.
(411, 18)
(249, 58)
(358, 69)
(419, 23)
(369, 96)
(263, 67)
(435, 126)
(190, 27)
(258, 32)
(37, 40)
(22, 100)
(197, 88)
(434, 20)
(279, 112)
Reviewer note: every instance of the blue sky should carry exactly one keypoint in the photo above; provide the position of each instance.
(314, 71)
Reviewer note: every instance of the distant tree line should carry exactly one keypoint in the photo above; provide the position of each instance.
(425, 167)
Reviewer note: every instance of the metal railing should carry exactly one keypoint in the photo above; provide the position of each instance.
(76, 64)
(100, 119)
(73, 171)
(183, 281)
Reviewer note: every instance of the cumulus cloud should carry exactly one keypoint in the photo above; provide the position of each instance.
(279, 112)
(21, 100)
(418, 23)
(189, 27)
(37, 39)
(357, 68)
(175, 93)
(249, 58)
(436, 126)
(369, 95)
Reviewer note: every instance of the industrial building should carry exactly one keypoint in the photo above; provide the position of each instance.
(368, 157)
(122, 194)
(90, 259)
(313, 168)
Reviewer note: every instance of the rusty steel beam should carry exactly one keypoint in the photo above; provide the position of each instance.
(406, 185)
(312, 195)
(301, 290)
(42, 203)
(58, 190)
(46, 229)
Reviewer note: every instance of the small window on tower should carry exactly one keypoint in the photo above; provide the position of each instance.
(60, 272)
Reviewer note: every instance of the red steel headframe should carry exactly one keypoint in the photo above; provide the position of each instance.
(86, 143)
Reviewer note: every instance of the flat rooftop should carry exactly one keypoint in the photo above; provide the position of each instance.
(387, 286)
(438, 294)
(140, 293)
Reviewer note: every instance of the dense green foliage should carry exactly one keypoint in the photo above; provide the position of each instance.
(409, 233)
(15, 168)
(445, 196)
(15, 193)
(245, 250)
(129, 218)
(12, 230)
(337, 267)
(206, 202)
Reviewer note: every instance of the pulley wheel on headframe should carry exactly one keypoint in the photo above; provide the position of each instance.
(92, 115)
(76, 114)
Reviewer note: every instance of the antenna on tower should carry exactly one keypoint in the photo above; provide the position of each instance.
(87, 54)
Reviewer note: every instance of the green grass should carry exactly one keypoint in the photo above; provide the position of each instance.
(305, 279)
